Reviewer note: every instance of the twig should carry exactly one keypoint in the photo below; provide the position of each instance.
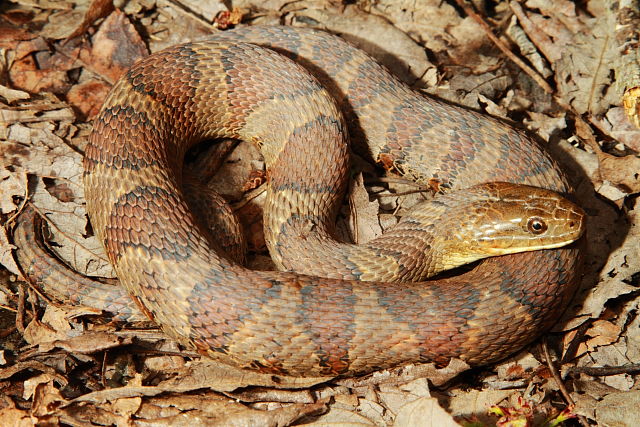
(396, 180)
(402, 193)
(20, 313)
(603, 371)
(248, 196)
(505, 49)
(537, 37)
(558, 380)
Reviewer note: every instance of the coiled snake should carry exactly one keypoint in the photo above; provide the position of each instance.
(293, 323)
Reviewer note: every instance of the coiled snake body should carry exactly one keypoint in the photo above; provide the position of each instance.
(288, 322)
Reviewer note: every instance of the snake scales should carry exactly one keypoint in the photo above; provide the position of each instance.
(288, 322)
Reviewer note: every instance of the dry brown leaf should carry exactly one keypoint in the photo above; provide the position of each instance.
(227, 19)
(115, 47)
(25, 75)
(424, 412)
(46, 401)
(166, 33)
(616, 276)
(399, 53)
(209, 409)
(474, 403)
(393, 397)
(96, 10)
(602, 333)
(621, 172)
(12, 186)
(263, 394)
(364, 224)
(32, 383)
(619, 409)
(214, 410)
(53, 326)
(49, 156)
(207, 373)
(544, 125)
(28, 50)
(16, 417)
(33, 366)
(11, 37)
(12, 95)
(405, 374)
(338, 416)
(633, 332)
(466, 89)
(114, 394)
(430, 23)
(6, 253)
(234, 171)
(87, 343)
(526, 34)
(583, 72)
(64, 21)
(32, 114)
(617, 125)
(516, 367)
(208, 10)
(87, 97)
(164, 363)
(127, 407)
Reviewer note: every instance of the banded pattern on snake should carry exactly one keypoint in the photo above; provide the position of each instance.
(294, 323)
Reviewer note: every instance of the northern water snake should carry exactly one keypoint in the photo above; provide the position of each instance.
(287, 322)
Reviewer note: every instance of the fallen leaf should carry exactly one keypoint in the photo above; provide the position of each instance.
(53, 326)
(399, 53)
(601, 333)
(619, 409)
(96, 10)
(12, 95)
(224, 378)
(424, 412)
(87, 343)
(585, 68)
(16, 417)
(115, 47)
(87, 97)
(364, 224)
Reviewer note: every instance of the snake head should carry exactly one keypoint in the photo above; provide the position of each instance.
(501, 218)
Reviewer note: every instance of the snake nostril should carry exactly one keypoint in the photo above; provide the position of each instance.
(572, 224)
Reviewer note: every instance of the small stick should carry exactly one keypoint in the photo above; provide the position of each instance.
(601, 371)
(558, 380)
(505, 49)
(20, 313)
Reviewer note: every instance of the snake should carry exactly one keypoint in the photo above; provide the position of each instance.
(299, 94)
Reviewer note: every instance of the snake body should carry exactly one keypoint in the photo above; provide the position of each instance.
(292, 323)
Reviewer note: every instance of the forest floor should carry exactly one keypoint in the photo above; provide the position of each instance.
(551, 67)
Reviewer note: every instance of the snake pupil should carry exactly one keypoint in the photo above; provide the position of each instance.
(536, 225)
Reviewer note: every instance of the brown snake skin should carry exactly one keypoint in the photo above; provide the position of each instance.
(292, 323)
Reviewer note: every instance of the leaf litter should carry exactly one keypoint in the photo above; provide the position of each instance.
(70, 365)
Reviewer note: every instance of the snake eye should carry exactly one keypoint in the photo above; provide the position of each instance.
(536, 225)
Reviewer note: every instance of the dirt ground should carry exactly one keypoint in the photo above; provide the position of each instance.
(568, 72)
